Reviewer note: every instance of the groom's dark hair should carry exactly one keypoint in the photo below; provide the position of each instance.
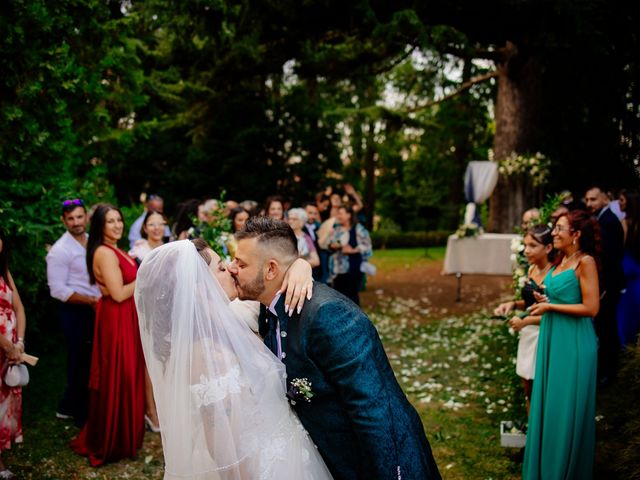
(272, 235)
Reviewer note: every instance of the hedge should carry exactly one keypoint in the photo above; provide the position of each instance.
(433, 238)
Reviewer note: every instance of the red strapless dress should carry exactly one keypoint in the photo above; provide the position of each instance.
(115, 423)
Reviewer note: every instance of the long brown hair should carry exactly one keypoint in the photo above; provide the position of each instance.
(4, 259)
(96, 234)
(589, 228)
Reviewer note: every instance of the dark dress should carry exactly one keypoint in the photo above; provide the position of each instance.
(629, 305)
(115, 423)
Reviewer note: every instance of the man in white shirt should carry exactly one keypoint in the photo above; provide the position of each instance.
(154, 203)
(69, 284)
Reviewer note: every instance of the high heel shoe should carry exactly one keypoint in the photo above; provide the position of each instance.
(150, 425)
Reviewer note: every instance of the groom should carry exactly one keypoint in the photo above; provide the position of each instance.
(356, 413)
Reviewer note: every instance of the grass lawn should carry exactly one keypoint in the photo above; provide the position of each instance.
(459, 372)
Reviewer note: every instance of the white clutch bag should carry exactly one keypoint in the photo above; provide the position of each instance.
(17, 375)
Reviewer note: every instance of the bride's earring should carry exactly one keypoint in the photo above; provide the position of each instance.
(574, 242)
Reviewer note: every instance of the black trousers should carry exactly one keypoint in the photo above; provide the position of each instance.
(607, 331)
(348, 284)
(77, 325)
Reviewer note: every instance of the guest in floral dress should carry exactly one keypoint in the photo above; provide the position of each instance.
(12, 328)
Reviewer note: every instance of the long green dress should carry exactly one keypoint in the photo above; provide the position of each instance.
(561, 433)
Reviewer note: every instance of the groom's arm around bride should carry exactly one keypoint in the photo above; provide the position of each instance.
(358, 416)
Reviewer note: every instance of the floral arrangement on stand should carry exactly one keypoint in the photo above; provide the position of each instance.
(535, 166)
(468, 230)
(216, 232)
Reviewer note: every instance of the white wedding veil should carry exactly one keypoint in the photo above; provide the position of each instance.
(219, 391)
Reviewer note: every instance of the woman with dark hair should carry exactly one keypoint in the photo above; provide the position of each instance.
(238, 217)
(187, 212)
(13, 324)
(351, 245)
(274, 207)
(538, 248)
(115, 424)
(629, 304)
(561, 433)
(152, 232)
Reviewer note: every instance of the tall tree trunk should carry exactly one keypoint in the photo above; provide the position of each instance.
(517, 118)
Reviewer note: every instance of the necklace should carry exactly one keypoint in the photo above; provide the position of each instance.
(566, 259)
(544, 270)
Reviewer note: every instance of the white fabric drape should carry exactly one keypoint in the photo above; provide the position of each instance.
(480, 179)
(219, 391)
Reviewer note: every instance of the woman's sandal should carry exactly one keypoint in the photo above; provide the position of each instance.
(150, 426)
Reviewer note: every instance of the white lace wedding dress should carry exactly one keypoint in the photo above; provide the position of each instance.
(219, 391)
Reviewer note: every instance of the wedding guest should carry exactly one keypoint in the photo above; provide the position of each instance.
(68, 281)
(561, 432)
(154, 202)
(187, 212)
(351, 245)
(628, 314)
(296, 219)
(274, 207)
(538, 248)
(238, 217)
(611, 282)
(115, 424)
(322, 202)
(311, 228)
(250, 206)
(206, 210)
(529, 218)
(622, 204)
(152, 237)
(228, 206)
(152, 232)
(13, 324)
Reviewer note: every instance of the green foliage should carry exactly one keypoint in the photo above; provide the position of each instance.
(67, 76)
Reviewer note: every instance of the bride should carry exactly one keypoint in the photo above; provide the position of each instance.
(220, 391)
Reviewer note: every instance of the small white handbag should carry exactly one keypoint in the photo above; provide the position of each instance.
(17, 375)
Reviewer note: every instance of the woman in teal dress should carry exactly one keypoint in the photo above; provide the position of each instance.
(561, 433)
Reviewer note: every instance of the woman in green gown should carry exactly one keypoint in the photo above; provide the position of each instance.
(561, 433)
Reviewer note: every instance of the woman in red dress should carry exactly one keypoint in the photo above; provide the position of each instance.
(115, 424)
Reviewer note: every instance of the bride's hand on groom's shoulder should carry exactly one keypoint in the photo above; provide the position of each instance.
(298, 285)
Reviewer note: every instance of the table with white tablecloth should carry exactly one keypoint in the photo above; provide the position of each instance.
(486, 254)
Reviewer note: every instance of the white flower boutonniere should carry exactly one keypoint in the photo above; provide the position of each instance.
(300, 390)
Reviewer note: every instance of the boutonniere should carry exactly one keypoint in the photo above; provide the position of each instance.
(300, 390)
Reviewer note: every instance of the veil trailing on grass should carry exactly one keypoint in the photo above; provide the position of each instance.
(220, 392)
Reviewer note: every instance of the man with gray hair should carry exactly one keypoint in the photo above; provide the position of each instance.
(339, 380)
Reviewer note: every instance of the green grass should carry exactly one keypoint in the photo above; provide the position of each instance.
(390, 259)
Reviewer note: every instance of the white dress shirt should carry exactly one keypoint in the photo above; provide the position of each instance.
(67, 269)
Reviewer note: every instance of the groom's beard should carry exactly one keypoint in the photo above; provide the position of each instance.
(251, 290)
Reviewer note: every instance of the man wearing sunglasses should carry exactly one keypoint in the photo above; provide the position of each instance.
(76, 298)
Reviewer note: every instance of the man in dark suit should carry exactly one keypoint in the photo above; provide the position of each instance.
(355, 411)
(611, 282)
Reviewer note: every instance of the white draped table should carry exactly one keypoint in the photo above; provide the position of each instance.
(486, 254)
